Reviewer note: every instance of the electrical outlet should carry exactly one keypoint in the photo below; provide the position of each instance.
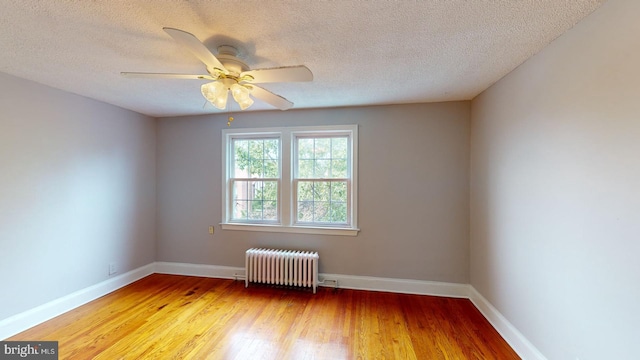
(211, 230)
(112, 268)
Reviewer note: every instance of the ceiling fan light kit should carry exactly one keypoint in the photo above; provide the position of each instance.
(216, 93)
(230, 74)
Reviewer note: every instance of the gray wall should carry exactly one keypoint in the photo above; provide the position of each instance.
(413, 192)
(555, 205)
(77, 191)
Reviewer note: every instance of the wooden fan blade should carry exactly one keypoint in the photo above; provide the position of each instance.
(279, 74)
(270, 98)
(167, 76)
(196, 47)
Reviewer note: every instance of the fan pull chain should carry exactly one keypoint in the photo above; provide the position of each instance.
(230, 120)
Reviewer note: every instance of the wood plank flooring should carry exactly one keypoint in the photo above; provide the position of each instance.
(183, 317)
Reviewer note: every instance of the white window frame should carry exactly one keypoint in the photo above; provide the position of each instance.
(286, 201)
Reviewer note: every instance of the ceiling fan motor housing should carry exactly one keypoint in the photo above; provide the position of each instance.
(228, 56)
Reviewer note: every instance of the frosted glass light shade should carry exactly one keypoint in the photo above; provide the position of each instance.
(241, 96)
(216, 93)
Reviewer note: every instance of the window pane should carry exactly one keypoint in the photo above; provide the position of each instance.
(240, 191)
(305, 169)
(338, 168)
(305, 148)
(256, 148)
(305, 191)
(322, 168)
(271, 149)
(271, 169)
(305, 211)
(270, 190)
(321, 191)
(255, 168)
(338, 212)
(255, 210)
(270, 210)
(322, 148)
(321, 211)
(257, 187)
(339, 191)
(339, 148)
(239, 209)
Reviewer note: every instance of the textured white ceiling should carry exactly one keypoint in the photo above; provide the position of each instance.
(360, 52)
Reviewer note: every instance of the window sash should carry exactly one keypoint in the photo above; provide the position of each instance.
(297, 201)
(264, 160)
(329, 162)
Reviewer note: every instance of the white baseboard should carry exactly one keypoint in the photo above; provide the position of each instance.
(213, 271)
(404, 286)
(344, 281)
(23, 321)
(20, 322)
(514, 338)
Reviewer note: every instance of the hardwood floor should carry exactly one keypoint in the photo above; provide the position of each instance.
(182, 317)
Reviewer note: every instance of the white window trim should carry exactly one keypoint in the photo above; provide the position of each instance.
(287, 221)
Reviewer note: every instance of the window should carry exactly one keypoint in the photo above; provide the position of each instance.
(321, 180)
(298, 179)
(254, 179)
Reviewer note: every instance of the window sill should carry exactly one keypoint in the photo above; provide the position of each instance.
(291, 229)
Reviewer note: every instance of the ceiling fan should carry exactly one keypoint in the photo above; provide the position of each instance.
(227, 73)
